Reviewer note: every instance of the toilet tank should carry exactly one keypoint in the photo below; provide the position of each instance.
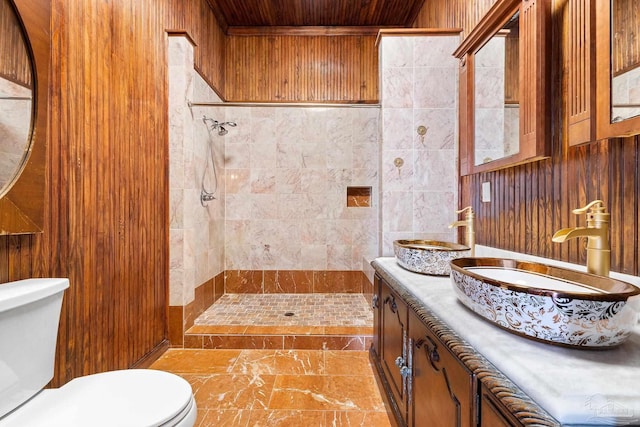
(29, 317)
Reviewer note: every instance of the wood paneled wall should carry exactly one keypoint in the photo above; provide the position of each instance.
(530, 202)
(463, 14)
(285, 68)
(197, 18)
(107, 188)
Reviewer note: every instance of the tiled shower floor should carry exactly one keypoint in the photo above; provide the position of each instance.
(289, 310)
(284, 321)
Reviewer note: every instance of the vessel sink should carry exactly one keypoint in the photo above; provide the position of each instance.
(550, 304)
(428, 256)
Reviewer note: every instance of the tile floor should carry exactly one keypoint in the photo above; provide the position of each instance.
(283, 322)
(288, 309)
(253, 388)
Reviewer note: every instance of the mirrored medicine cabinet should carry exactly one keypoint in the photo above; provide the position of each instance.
(504, 87)
(24, 69)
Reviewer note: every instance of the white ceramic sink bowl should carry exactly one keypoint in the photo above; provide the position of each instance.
(550, 304)
(428, 256)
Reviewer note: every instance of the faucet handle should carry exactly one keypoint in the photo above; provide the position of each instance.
(596, 206)
(469, 211)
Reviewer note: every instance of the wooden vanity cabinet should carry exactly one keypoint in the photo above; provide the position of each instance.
(393, 349)
(424, 383)
(441, 389)
(430, 377)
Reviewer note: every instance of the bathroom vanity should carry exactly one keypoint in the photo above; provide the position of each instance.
(440, 364)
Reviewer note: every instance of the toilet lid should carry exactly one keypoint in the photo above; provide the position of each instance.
(135, 397)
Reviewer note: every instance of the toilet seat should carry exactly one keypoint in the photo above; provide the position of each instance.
(135, 398)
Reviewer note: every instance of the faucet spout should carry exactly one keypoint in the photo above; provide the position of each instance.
(597, 234)
(462, 223)
(565, 234)
(470, 234)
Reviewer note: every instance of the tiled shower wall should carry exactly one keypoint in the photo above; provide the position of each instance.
(281, 218)
(287, 173)
(419, 87)
(196, 231)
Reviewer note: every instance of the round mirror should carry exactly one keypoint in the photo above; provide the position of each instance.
(16, 97)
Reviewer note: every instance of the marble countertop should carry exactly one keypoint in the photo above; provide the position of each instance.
(576, 387)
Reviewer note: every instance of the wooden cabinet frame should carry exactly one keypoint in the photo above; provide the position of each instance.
(22, 205)
(534, 79)
(604, 127)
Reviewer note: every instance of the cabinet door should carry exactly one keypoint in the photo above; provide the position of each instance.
(492, 414)
(376, 306)
(393, 328)
(442, 390)
(580, 66)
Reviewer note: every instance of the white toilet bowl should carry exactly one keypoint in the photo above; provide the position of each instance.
(29, 314)
(126, 398)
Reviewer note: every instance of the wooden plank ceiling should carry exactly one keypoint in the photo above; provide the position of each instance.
(316, 13)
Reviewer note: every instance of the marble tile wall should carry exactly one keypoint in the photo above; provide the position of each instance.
(196, 231)
(419, 87)
(287, 172)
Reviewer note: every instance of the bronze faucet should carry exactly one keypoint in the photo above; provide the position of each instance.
(470, 234)
(597, 234)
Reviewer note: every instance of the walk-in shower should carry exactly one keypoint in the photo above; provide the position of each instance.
(219, 127)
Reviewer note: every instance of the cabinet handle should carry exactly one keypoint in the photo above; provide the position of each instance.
(431, 350)
(392, 303)
(399, 361)
(375, 301)
(405, 371)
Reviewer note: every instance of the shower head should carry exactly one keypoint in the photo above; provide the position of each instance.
(214, 124)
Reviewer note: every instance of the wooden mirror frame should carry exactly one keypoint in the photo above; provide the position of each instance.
(534, 75)
(604, 127)
(22, 206)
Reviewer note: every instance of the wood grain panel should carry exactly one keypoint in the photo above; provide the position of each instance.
(626, 45)
(260, 13)
(580, 66)
(452, 14)
(279, 68)
(512, 66)
(106, 205)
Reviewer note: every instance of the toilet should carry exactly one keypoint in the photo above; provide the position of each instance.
(29, 317)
